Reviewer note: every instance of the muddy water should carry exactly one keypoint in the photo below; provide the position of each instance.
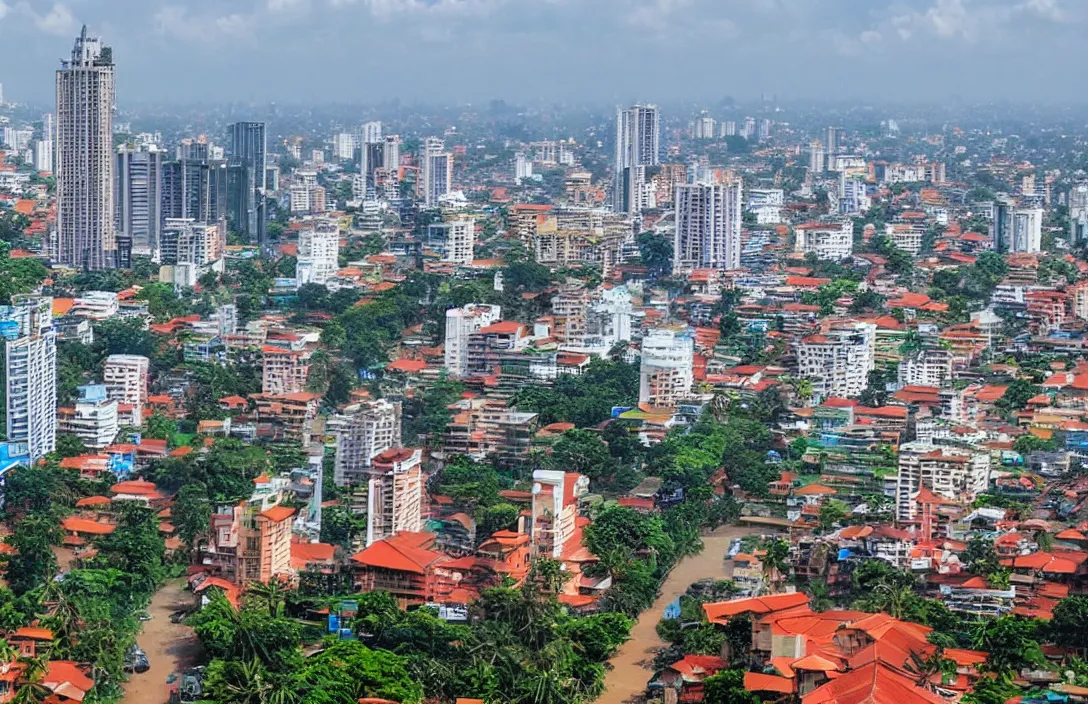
(626, 681)
(170, 648)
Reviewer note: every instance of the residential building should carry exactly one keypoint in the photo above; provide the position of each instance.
(955, 474)
(246, 180)
(138, 195)
(637, 146)
(454, 240)
(1026, 230)
(284, 370)
(488, 428)
(251, 541)
(708, 226)
(408, 566)
(318, 254)
(188, 241)
(394, 494)
(84, 157)
(194, 187)
(437, 171)
(817, 157)
(838, 361)
(43, 155)
(367, 430)
(554, 514)
(926, 367)
(1078, 213)
(93, 419)
(834, 240)
(523, 167)
(30, 373)
(666, 372)
(460, 324)
(287, 416)
(125, 377)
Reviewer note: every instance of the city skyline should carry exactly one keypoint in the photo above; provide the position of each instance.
(859, 49)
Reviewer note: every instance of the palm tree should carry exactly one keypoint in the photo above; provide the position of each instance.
(271, 595)
(895, 598)
(31, 690)
(8, 655)
(927, 667)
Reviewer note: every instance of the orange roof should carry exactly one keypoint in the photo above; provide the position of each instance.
(66, 680)
(101, 500)
(758, 682)
(814, 490)
(400, 553)
(277, 513)
(303, 554)
(724, 610)
(503, 327)
(134, 486)
(33, 633)
(75, 524)
(61, 306)
(875, 683)
(815, 663)
(407, 365)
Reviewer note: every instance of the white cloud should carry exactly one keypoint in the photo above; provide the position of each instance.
(287, 5)
(58, 20)
(176, 21)
(871, 36)
(4, 9)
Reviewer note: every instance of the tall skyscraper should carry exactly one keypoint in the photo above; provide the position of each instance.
(139, 197)
(708, 225)
(437, 171)
(84, 157)
(637, 146)
(30, 367)
(246, 172)
(1078, 213)
(194, 188)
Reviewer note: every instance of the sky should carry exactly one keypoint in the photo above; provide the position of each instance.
(587, 51)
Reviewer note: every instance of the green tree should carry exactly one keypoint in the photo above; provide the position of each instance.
(656, 253)
(192, 513)
(727, 687)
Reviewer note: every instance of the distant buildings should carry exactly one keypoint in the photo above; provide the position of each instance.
(437, 171)
(246, 173)
(953, 474)
(284, 370)
(637, 146)
(666, 372)
(318, 254)
(85, 158)
(30, 374)
(1078, 213)
(708, 226)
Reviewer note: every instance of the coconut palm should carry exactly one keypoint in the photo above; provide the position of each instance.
(271, 595)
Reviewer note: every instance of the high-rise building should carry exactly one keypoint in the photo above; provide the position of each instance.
(953, 474)
(437, 171)
(703, 127)
(1026, 232)
(186, 241)
(84, 157)
(194, 188)
(43, 155)
(817, 157)
(372, 131)
(460, 324)
(138, 196)
(1000, 223)
(30, 367)
(1078, 213)
(394, 494)
(523, 167)
(370, 429)
(835, 138)
(708, 226)
(284, 371)
(554, 528)
(827, 240)
(318, 254)
(246, 185)
(666, 372)
(125, 377)
(455, 240)
(637, 146)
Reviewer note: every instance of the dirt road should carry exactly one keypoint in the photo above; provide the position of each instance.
(170, 647)
(631, 666)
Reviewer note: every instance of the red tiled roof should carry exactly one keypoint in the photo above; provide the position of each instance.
(724, 610)
(401, 553)
(277, 513)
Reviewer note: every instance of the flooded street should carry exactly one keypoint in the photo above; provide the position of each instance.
(631, 665)
(170, 647)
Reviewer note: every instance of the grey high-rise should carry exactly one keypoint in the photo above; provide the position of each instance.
(139, 197)
(246, 171)
(637, 146)
(84, 158)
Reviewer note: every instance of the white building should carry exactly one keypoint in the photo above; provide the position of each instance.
(125, 377)
(817, 157)
(826, 240)
(956, 474)
(43, 155)
(318, 254)
(460, 323)
(666, 373)
(31, 373)
(84, 157)
(1026, 231)
(708, 226)
(523, 167)
(703, 127)
(927, 367)
(1078, 213)
(906, 236)
(187, 241)
(853, 198)
(94, 418)
(344, 146)
(608, 320)
(838, 361)
(455, 240)
(437, 171)
(394, 494)
(366, 431)
(766, 204)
